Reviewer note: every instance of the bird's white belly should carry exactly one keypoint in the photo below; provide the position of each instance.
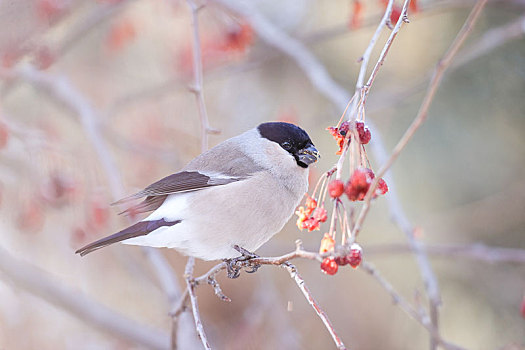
(211, 235)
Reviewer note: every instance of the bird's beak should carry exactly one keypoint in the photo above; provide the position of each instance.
(308, 155)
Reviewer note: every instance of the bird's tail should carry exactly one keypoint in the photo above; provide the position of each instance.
(141, 228)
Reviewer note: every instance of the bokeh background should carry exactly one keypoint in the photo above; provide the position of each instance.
(117, 72)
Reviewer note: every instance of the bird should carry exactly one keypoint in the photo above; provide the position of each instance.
(239, 193)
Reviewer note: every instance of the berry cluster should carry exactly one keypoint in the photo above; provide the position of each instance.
(311, 216)
(313, 213)
(340, 134)
(331, 264)
(359, 183)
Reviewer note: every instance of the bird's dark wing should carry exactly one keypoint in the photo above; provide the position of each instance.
(141, 228)
(183, 181)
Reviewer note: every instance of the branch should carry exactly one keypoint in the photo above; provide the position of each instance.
(197, 88)
(279, 39)
(322, 81)
(190, 287)
(40, 283)
(294, 274)
(281, 261)
(381, 60)
(422, 114)
(477, 251)
(60, 88)
(426, 270)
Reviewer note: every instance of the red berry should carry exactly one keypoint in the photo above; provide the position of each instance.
(336, 188)
(311, 224)
(343, 128)
(341, 260)
(355, 256)
(364, 132)
(359, 184)
(329, 266)
(382, 187)
(320, 214)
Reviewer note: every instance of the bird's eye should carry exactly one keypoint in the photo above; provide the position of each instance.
(286, 145)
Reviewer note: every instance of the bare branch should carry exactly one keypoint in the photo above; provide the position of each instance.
(426, 270)
(67, 94)
(292, 270)
(381, 60)
(441, 67)
(279, 39)
(190, 285)
(40, 283)
(478, 252)
(197, 88)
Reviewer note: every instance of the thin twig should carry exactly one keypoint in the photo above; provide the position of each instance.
(198, 88)
(281, 261)
(190, 285)
(491, 40)
(422, 114)
(477, 251)
(381, 60)
(291, 47)
(426, 270)
(321, 80)
(60, 88)
(294, 274)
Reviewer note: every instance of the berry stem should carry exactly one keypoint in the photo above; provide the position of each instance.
(333, 220)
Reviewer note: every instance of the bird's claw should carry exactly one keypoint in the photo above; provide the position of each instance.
(253, 268)
(233, 266)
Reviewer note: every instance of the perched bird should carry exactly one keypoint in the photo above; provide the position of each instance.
(239, 193)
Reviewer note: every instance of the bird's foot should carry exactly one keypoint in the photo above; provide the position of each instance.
(234, 265)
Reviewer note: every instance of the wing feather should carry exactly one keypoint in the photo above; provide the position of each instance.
(183, 181)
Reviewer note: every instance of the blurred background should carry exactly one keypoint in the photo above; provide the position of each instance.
(94, 105)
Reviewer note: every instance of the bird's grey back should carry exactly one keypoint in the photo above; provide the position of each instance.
(228, 158)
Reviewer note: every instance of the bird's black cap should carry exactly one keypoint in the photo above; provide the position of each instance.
(292, 139)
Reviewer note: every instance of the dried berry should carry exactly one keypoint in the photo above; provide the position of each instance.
(344, 127)
(340, 139)
(382, 187)
(329, 266)
(364, 132)
(341, 260)
(336, 188)
(355, 256)
(327, 244)
(302, 217)
(320, 214)
(359, 184)
(311, 224)
(311, 204)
